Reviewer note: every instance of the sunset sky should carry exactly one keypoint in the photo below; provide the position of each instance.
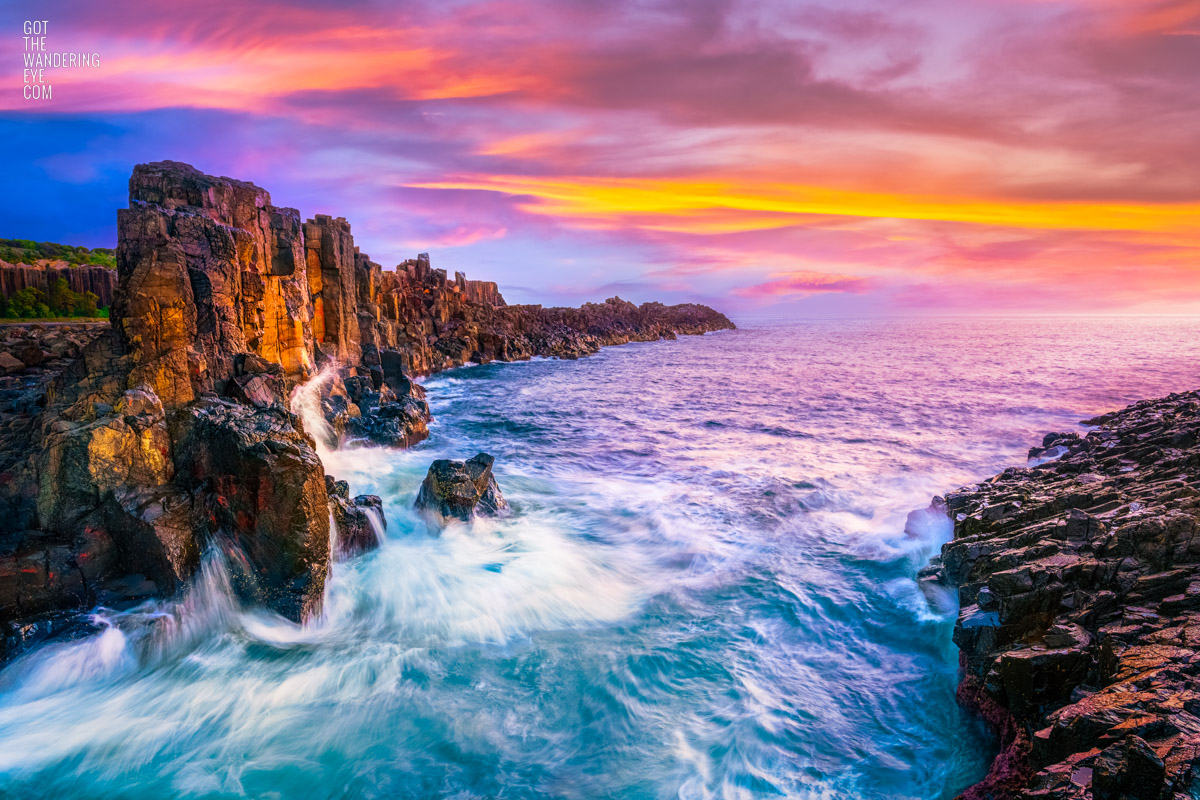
(840, 157)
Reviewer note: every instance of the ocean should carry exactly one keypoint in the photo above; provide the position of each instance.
(704, 589)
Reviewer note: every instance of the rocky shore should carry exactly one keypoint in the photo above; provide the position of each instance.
(1078, 579)
(127, 450)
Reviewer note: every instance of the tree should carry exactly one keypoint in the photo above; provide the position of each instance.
(3, 306)
(24, 302)
(86, 305)
(62, 300)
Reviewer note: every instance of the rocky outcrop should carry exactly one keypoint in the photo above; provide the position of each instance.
(101, 281)
(431, 323)
(131, 449)
(459, 490)
(257, 486)
(32, 356)
(209, 270)
(358, 522)
(1079, 625)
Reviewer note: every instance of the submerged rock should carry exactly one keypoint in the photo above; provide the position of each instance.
(1079, 626)
(458, 490)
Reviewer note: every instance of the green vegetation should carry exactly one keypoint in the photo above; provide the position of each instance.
(24, 251)
(60, 301)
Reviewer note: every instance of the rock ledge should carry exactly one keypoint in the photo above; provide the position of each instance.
(1079, 622)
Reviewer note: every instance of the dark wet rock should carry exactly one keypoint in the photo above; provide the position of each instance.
(1079, 623)
(1128, 770)
(10, 364)
(355, 532)
(458, 490)
(259, 486)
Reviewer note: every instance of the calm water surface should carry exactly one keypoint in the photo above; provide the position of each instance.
(705, 589)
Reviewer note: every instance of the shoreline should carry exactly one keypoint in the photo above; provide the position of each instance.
(128, 447)
(1079, 597)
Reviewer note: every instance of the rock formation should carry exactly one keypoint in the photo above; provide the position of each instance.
(458, 490)
(209, 269)
(1079, 623)
(355, 528)
(433, 323)
(127, 451)
(101, 281)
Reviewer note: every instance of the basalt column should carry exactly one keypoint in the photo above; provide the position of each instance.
(208, 269)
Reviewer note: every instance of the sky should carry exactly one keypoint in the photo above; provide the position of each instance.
(765, 157)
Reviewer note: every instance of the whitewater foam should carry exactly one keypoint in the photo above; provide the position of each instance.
(705, 589)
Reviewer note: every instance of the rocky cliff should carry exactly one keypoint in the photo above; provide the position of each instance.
(128, 451)
(1079, 626)
(101, 281)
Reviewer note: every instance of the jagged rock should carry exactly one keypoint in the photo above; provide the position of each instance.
(356, 532)
(458, 490)
(400, 423)
(1079, 620)
(1128, 770)
(433, 323)
(209, 269)
(261, 391)
(260, 487)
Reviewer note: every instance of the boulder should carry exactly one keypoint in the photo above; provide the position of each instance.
(355, 530)
(1128, 770)
(261, 391)
(458, 490)
(10, 364)
(27, 351)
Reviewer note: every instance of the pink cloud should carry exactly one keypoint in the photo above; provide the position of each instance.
(802, 284)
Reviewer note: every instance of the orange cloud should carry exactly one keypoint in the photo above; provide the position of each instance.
(689, 205)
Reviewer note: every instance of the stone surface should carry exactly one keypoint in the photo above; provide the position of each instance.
(259, 490)
(100, 281)
(355, 530)
(1079, 623)
(459, 490)
(209, 269)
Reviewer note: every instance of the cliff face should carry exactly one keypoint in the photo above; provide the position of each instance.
(1079, 628)
(101, 281)
(127, 451)
(209, 269)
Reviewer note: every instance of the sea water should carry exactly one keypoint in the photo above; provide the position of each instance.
(705, 587)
